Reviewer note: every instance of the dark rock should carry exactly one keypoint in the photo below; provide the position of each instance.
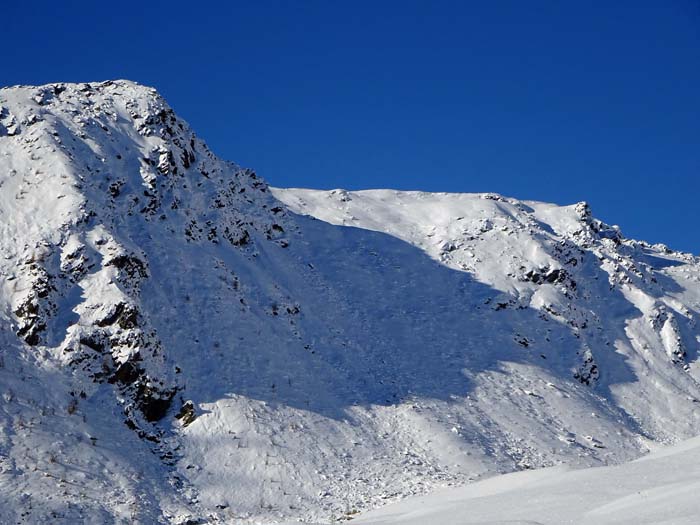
(129, 264)
(92, 343)
(153, 404)
(187, 413)
(127, 373)
(124, 315)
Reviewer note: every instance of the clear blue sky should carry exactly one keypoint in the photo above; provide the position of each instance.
(554, 101)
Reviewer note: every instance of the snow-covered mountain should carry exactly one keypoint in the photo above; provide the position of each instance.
(180, 342)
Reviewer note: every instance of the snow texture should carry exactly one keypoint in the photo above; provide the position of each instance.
(660, 488)
(181, 343)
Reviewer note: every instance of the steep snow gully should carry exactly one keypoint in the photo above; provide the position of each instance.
(181, 343)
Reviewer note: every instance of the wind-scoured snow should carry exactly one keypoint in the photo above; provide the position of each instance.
(180, 342)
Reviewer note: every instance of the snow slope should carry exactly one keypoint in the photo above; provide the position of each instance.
(180, 342)
(660, 488)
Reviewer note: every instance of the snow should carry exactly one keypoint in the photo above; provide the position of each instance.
(659, 488)
(336, 351)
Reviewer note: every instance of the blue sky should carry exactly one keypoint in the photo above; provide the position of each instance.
(553, 101)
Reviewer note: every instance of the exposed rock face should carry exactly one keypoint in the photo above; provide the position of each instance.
(192, 346)
(98, 168)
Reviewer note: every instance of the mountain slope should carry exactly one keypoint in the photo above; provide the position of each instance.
(208, 349)
(632, 307)
(660, 488)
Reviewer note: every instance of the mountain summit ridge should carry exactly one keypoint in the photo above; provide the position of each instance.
(195, 345)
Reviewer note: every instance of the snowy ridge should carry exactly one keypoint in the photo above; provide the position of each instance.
(182, 343)
(618, 297)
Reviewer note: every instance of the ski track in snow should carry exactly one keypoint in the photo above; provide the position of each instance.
(178, 341)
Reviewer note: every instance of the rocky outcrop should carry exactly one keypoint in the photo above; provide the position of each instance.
(123, 160)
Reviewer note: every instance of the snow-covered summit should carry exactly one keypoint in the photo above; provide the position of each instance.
(94, 174)
(627, 303)
(178, 341)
